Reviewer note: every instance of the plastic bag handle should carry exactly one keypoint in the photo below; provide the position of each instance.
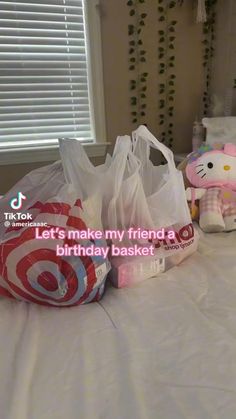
(142, 133)
(70, 148)
(123, 143)
(74, 158)
(123, 147)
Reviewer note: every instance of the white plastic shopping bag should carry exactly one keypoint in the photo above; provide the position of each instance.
(136, 194)
(163, 185)
(165, 195)
(102, 181)
(40, 261)
(150, 198)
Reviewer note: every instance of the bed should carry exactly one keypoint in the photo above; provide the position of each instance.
(165, 349)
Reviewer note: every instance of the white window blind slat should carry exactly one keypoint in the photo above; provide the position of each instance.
(41, 24)
(22, 116)
(44, 83)
(47, 7)
(39, 94)
(44, 96)
(41, 79)
(41, 136)
(39, 64)
(40, 101)
(11, 87)
(8, 111)
(43, 49)
(32, 72)
(42, 41)
(46, 3)
(12, 31)
(6, 15)
(43, 56)
(44, 125)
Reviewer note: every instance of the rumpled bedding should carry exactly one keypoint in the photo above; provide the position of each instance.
(165, 349)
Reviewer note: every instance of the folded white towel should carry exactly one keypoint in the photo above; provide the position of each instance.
(220, 129)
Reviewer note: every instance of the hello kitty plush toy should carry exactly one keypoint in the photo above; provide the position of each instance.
(212, 172)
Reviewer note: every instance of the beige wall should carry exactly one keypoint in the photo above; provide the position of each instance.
(116, 78)
(188, 70)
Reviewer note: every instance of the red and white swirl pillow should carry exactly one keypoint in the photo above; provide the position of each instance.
(31, 271)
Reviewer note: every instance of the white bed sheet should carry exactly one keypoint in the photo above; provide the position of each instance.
(165, 349)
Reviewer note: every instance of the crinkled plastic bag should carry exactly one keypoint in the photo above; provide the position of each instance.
(30, 268)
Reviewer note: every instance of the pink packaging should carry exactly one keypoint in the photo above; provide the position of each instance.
(127, 271)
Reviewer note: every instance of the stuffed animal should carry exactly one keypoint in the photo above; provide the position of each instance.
(212, 172)
(194, 204)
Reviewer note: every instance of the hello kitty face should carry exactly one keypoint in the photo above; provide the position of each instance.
(214, 168)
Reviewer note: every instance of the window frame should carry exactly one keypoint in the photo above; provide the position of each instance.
(50, 152)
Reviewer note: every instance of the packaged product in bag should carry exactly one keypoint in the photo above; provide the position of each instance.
(127, 271)
(38, 261)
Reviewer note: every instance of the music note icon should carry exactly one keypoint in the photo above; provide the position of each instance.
(16, 203)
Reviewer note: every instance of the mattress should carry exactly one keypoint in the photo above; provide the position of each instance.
(165, 349)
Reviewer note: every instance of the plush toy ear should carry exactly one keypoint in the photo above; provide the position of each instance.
(230, 149)
(182, 167)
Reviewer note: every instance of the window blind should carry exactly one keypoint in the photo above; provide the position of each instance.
(44, 90)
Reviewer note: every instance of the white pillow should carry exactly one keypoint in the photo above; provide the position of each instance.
(220, 130)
